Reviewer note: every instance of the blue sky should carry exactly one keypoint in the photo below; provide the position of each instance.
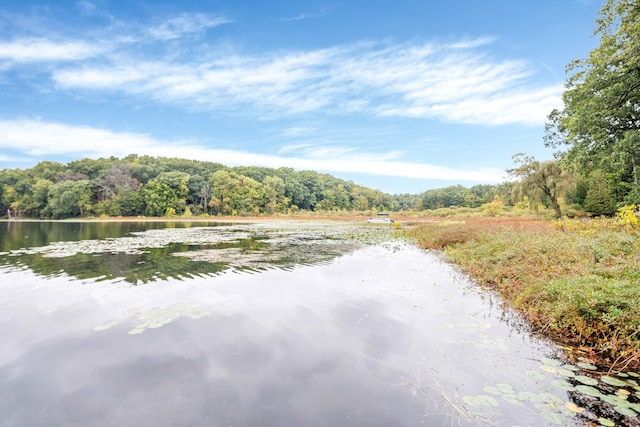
(398, 95)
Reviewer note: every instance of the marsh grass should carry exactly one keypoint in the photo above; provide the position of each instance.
(576, 281)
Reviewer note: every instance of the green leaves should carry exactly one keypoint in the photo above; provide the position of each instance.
(601, 115)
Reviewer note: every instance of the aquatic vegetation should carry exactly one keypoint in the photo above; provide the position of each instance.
(609, 406)
(576, 283)
(157, 317)
(144, 256)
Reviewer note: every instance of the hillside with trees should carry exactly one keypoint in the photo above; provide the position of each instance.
(148, 186)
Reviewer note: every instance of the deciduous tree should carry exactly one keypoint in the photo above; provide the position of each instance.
(600, 120)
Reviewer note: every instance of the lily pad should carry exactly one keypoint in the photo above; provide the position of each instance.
(550, 362)
(535, 375)
(566, 373)
(614, 400)
(492, 390)
(481, 400)
(105, 326)
(564, 385)
(506, 388)
(513, 398)
(612, 381)
(550, 398)
(573, 368)
(588, 390)
(586, 380)
(587, 366)
(626, 411)
(606, 422)
(553, 418)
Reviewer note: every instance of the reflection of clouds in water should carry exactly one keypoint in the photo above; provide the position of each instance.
(361, 340)
(214, 371)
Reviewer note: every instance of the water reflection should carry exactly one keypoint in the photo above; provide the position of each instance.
(144, 252)
(382, 335)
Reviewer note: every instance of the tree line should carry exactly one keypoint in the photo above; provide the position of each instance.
(150, 186)
(158, 186)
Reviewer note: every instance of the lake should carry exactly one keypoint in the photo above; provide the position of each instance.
(269, 324)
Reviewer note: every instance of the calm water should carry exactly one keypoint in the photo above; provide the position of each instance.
(274, 324)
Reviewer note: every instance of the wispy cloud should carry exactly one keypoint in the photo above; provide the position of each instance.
(183, 24)
(42, 139)
(28, 50)
(455, 82)
(302, 16)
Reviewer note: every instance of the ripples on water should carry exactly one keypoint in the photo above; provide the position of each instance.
(336, 325)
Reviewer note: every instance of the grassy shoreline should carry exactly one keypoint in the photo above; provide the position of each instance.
(576, 282)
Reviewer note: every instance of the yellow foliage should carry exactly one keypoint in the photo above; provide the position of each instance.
(627, 215)
(493, 208)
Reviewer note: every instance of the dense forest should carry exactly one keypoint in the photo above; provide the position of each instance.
(142, 185)
(159, 186)
(150, 186)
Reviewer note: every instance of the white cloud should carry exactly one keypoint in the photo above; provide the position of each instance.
(44, 50)
(37, 138)
(454, 82)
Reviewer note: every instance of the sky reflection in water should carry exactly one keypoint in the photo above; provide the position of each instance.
(382, 335)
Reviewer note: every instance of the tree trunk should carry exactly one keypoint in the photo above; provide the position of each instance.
(556, 207)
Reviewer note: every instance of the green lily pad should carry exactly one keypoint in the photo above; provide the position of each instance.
(106, 326)
(506, 388)
(587, 366)
(626, 411)
(588, 390)
(573, 368)
(534, 375)
(614, 400)
(553, 418)
(513, 398)
(550, 362)
(481, 400)
(586, 380)
(492, 390)
(564, 385)
(606, 422)
(543, 407)
(566, 373)
(612, 381)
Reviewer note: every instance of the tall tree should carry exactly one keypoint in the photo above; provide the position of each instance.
(600, 120)
(539, 179)
(599, 199)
